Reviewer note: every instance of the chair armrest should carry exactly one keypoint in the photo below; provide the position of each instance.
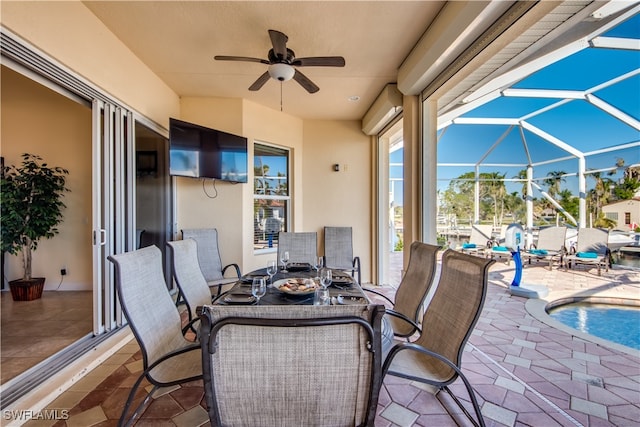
(234, 265)
(189, 326)
(379, 294)
(190, 347)
(401, 316)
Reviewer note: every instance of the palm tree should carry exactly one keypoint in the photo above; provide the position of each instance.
(492, 186)
(553, 180)
(523, 175)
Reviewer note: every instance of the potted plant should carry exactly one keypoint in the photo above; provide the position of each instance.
(31, 208)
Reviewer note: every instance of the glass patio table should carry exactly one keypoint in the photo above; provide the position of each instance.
(343, 290)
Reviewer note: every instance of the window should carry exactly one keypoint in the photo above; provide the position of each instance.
(627, 218)
(270, 195)
(612, 215)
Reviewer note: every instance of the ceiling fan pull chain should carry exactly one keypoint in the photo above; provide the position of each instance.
(280, 95)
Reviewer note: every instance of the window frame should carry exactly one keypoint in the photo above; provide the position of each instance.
(263, 196)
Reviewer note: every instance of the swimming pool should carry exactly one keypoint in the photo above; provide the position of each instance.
(617, 323)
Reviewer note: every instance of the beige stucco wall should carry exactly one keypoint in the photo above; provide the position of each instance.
(341, 198)
(39, 121)
(622, 207)
(70, 33)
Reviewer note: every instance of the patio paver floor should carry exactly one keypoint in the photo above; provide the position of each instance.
(525, 372)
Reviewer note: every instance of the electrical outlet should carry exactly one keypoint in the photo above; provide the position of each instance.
(63, 272)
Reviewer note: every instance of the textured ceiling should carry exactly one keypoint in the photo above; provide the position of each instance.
(178, 40)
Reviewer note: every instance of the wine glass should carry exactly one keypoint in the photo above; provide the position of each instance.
(272, 269)
(284, 257)
(319, 263)
(258, 288)
(325, 277)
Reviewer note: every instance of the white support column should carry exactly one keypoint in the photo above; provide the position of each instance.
(476, 197)
(529, 205)
(582, 191)
(429, 172)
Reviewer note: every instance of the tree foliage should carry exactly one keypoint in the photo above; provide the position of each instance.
(31, 205)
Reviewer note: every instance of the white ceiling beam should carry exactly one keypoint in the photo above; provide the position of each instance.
(517, 74)
(447, 117)
(613, 111)
(552, 139)
(525, 145)
(544, 93)
(485, 121)
(613, 81)
(495, 144)
(614, 148)
(545, 109)
(615, 43)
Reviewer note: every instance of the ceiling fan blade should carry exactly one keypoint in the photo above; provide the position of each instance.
(240, 58)
(260, 82)
(279, 42)
(305, 82)
(320, 61)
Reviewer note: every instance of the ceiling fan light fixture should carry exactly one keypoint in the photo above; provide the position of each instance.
(281, 72)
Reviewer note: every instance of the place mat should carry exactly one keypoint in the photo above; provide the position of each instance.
(239, 299)
(302, 266)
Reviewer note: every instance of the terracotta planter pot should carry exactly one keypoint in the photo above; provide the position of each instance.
(27, 290)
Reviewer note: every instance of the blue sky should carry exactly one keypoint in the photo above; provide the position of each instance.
(578, 123)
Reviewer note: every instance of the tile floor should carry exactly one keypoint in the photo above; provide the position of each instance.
(525, 372)
(72, 312)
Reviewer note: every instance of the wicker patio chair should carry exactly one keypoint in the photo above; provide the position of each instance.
(188, 276)
(295, 365)
(549, 248)
(479, 240)
(338, 251)
(435, 356)
(302, 246)
(406, 310)
(167, 357)
(591, 249)
(209, 258)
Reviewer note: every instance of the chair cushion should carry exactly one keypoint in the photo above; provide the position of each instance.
(587, 255)
(468, 245)
(538, 252)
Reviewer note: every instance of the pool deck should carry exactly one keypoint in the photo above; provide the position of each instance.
(527, 369)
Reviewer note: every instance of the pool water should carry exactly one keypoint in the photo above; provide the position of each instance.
(617, 323)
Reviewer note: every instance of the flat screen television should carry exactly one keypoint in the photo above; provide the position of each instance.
(201, 152)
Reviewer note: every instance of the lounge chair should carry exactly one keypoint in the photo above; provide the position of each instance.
(591, 249)
(480, 239)
(549, 248)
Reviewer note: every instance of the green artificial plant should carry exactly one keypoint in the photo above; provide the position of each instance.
(31, 206)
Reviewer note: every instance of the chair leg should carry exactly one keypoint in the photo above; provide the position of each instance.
(474, 402)
(123, 422)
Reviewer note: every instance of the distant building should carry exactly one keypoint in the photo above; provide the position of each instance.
(626, 213)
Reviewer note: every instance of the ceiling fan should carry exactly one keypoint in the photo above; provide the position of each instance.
(281, 62)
